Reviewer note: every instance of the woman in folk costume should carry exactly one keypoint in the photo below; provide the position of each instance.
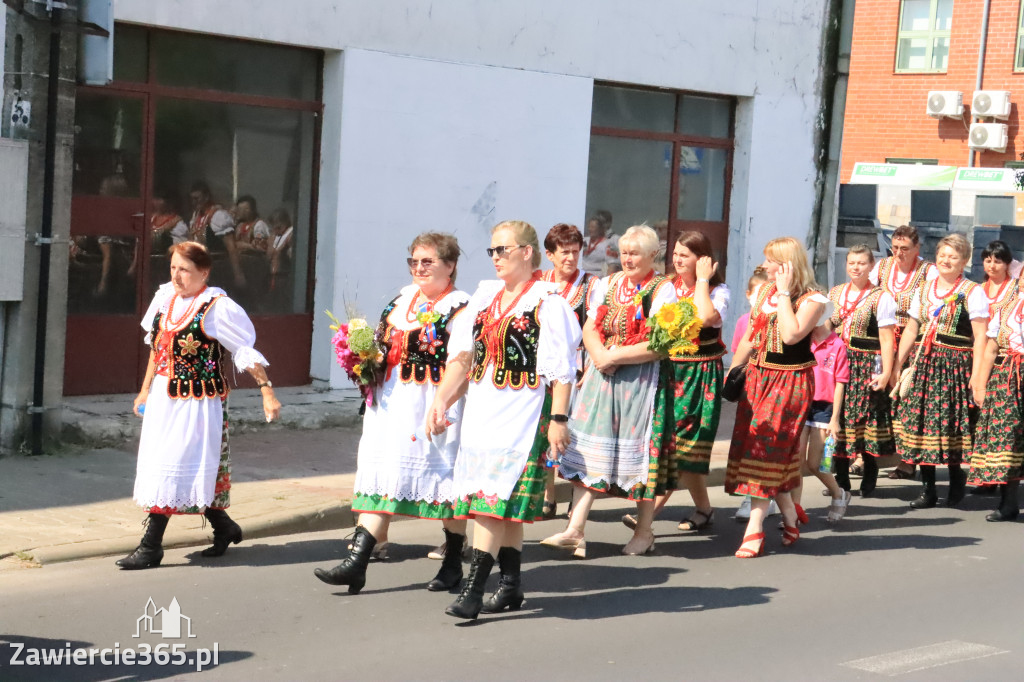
(1000, 286)
(689, 400)
(998, 453)
(764, 457)
(864, 316)
(613, 420)
(399, 472)
(948, 320)
(184, 466)
(562, 247)
(516, 337)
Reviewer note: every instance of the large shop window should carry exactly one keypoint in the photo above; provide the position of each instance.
(202, 138)
(637, 138)
(924, 32)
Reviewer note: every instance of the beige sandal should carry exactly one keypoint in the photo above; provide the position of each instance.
(837, 510)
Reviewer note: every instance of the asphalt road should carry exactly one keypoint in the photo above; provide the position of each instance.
(916, 595)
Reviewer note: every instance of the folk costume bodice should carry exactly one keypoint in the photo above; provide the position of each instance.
(575, 293)
(621, 319)
(946, 320)
(506, 343)
(187, 356)
(709, 342)
(901, 287)
(857, 316)
(769, 351)
(420, 352)
(1002, 296)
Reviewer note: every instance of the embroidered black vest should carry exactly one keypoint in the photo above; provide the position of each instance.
(614, 325)
(195, 360)
(516, 340)
(953, 326)
(863, 321)
(422, 358)
(773, 353)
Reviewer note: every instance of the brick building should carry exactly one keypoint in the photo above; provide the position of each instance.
(901, 51)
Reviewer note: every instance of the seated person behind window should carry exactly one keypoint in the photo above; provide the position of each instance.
(280, 250)
(251, 232)
(167, 225)
(213, 226)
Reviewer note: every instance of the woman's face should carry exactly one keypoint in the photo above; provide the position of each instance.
(996, 270)
(636, 262)
(565, 258)
(771, 268)
(514, 263)
(430, 273)
(187, 279)
(684, 261)
(594, 230)
(949, 261)
(858, 266)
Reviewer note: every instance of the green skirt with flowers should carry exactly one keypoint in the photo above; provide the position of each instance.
(420, 509)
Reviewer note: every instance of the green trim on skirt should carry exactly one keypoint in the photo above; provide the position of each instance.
(382, 504)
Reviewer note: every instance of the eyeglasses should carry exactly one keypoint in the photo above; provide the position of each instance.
(502, 251)
(425, 263)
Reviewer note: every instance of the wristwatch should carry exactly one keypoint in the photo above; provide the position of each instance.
(265, 384)
(560, 418)
(784, 293)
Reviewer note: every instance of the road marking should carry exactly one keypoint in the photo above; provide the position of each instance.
(922, 658)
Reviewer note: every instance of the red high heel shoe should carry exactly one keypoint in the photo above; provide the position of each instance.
(801, 515)
(790, 534)
(746, 552)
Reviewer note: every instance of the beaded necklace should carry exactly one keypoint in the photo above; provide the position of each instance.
(495, 315)
(994, 300)
(564, 293)
(168, 324)
(895, 285)
(846, 307)
(427, 306)
(681, 291)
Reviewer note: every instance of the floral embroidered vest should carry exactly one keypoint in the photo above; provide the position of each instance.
(194, 359)
(511, 348)
(1005, 311)
(861, 324)
(904, 297)
(953, 325)
(618, 323)
(419, 357)
(769, 350)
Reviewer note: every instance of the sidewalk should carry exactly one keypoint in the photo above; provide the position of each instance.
(292, 477)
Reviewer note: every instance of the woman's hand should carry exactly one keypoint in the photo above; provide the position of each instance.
(140, 400)
(271, 405)
(979, 393)
(558, 437)
(784, 277)
(832, 429)
(605, 361)
(436, 421)
(706, 267)
(878, 382)
(894, 393)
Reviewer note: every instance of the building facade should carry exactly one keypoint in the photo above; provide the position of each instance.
(357, 125)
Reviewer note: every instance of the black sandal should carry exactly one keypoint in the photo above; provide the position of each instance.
(549, 510)
(898, 474)
(694, 525)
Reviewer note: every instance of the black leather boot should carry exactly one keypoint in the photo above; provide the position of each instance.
(870, 479)
(450, 573)
(957, 485)
(1008, 509)
(469, 602)
(842, 468)
(509, 594)
(928, 497)
(351, 571)
(225, 532)
(150, 551)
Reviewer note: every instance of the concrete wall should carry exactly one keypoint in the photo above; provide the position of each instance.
(410, 113)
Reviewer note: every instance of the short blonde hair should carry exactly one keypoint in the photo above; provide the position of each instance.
(641, 236)
(525, 236)
(787, 249)
(958, 243)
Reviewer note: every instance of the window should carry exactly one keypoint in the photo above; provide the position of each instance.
(913, 162)
(923, 43)
(638, 137)
(1018, 63)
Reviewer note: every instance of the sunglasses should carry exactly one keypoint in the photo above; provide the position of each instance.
(502, 251)
(425, 263)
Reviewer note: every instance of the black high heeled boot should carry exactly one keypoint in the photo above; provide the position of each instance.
(842, 469)
(450, 573)
(509, 594)
(225, 532)
(870, 479)
(150, 551)
(957, 485)
(351, 571)
(928, 497)
(1009, 509)
(469, 602)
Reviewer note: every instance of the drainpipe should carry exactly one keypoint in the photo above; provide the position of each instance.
(981, 67)
(37, 409)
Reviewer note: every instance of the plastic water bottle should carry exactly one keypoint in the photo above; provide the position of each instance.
(142, 408)
(827, 455)
(551, 459)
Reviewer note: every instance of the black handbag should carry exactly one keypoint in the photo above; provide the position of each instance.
(735, 383)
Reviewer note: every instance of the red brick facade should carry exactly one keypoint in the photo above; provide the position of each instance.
(886, 111)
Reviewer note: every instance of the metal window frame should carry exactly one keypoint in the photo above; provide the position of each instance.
(1018, 62)
(929, 35)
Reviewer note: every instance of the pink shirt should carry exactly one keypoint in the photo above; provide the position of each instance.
(739, 331)
(832, 367)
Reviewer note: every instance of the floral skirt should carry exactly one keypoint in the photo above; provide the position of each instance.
(525, 505)
(383, 504)
(764, 457)
(933, 422)
(866, 422)
(999, 444)
(687, 408)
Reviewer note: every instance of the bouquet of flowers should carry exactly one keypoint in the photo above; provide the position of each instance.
(357, 353)
(674, 329)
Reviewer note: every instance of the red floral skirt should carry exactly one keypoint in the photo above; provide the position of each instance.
(764, 457)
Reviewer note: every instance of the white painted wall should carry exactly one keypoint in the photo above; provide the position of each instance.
(764, 52)
(428, 145)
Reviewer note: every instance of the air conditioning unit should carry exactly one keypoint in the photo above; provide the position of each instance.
(945, 103)
(994, 103)
(988, 136)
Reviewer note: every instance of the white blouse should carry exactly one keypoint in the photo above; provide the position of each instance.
(977, 304)
(664, 293)
(1013, 322)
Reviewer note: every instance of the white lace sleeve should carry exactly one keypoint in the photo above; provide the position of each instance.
(873, 276)
(228, 323)
(993, 327)
(560, 336)
(977, 304)
(720, 297)
(914, 309)
(886, 310)
(598, 292)
(159, 302)
(460, 339)
(222, 223)
(665, 293)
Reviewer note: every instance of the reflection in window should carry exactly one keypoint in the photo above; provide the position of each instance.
(701, 183)
(633, 109)
(629, 178)
(102, 275)
(108, 146)
(208, 155)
